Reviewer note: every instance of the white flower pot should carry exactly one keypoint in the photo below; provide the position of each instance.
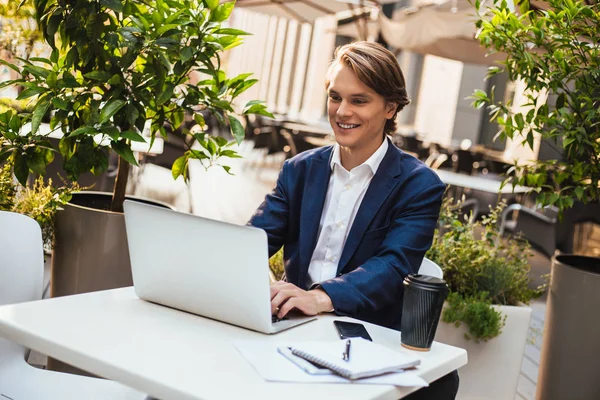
(493, 369)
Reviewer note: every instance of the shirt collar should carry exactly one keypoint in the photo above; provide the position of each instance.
(373, 162)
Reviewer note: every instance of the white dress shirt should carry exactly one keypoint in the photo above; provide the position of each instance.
(345, 192)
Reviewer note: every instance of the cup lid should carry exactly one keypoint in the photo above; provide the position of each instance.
(426, 280)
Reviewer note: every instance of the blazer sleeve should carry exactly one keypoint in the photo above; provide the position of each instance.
(378, 282)
(273, 214)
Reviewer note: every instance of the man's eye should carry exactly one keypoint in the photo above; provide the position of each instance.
(334, 98)
(358, 101)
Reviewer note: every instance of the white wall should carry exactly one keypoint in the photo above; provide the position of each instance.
(321, 53)
(438, 98)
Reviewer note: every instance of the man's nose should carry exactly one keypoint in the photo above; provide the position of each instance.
(344, 110)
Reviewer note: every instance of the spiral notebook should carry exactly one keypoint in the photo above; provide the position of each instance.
(366, 358)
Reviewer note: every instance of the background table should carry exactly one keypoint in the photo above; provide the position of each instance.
(478, 183)
(171, 354)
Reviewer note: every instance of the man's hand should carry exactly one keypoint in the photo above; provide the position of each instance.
(286, 296)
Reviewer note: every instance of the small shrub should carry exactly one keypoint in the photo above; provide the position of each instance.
(41, 201)
(481, 269)
(276, 265)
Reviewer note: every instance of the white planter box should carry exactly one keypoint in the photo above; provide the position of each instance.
(493, 369)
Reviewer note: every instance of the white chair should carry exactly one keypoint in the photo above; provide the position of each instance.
(21, 269)
(430, 268)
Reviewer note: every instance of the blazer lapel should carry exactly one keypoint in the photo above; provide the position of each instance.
(313, 200)
(382, 184)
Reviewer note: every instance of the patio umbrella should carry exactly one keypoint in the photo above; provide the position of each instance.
(303, 10)
(445, 29)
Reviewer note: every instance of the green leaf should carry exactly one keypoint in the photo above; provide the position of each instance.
(84, 130)
(39, 72)
(211, 146)
(123, 150)
(560, 101)
(177, 117)
(52, 80)
(115, 79)
(15, 126)
(42, 60)
(110, 109)
(114, 5)
(111, 131)
(11, 66)
(236, 129)
(222, 12)
(258, 109)
(165, 28)
(211, 4)
(21, 170)
(132, 135)
(54, 56)
(166, 95)
(199, 120)
(244, 86)
(36, 163)
(38, 114)
(231, 31)
(60, 103)
(186, 54)
(221, 141)
(31, 92)
(530, 139)
(179, 167)
(519, 121)
(98, 75)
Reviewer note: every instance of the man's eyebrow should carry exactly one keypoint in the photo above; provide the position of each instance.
(366, 95)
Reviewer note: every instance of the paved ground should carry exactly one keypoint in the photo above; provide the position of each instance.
(215, 194)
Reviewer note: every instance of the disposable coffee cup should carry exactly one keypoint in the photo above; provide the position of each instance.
(423, 301)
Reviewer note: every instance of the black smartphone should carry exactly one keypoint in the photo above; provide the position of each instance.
(351, 330)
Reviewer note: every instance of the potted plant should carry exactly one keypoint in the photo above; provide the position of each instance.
(553, 49)
(485, 312)
(116, 66)
(39, 201)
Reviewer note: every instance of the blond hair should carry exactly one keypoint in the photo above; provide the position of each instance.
(378, 68)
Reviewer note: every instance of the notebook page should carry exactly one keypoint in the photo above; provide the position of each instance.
(366, 358)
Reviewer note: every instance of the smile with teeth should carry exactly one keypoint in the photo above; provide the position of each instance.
(347, 126)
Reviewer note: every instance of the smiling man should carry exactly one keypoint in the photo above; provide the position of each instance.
(357, 217)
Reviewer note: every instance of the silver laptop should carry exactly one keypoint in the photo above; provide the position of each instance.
(206, 267)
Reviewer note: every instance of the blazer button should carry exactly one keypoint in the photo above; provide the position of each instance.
(339, 274)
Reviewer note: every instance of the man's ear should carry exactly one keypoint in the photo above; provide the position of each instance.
(390, 109)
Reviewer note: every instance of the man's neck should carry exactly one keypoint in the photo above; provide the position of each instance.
(351, 158)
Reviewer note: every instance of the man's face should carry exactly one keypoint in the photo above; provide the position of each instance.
(356, 112)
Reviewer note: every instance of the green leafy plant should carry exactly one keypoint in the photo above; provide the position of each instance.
(481, 269)
(276, 265)
(115, 66)
(40, 201)
(555, 52)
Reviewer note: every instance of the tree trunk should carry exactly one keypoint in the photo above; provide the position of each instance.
(120, 186)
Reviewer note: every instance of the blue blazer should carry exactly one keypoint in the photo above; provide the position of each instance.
(392, 230)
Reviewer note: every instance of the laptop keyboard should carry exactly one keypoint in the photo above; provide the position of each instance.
(275, 319)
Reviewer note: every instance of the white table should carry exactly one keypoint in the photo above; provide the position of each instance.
(478, 183)
(174, 355)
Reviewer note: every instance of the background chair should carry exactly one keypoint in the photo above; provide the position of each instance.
(21, 269)
(430, 268)
(538, 227)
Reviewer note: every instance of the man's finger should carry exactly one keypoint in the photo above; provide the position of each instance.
(279, 299)
(287, 307)
(274, 290)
